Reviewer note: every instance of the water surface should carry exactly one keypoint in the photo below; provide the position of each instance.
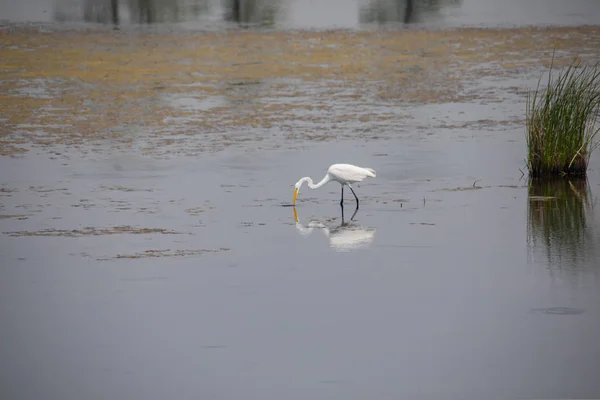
(148, 250)
(436, 288)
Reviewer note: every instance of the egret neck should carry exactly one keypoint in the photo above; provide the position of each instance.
(310, 185)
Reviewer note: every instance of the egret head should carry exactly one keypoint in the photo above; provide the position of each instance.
(299, 184)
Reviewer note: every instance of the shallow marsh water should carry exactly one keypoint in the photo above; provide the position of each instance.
(148, 250)
(447, 295)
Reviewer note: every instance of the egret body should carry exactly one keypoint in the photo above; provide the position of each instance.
(344, 174)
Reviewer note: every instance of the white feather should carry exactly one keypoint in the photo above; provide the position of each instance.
(347, 173)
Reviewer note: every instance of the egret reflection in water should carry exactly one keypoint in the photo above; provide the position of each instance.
(345, 237)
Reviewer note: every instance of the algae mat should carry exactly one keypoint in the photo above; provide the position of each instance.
(189, 93)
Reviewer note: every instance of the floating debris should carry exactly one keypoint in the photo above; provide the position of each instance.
(167, 253)
(18, 216)
(91, 231)
(558, 310)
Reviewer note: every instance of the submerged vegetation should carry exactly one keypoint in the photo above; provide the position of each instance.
(561, 122)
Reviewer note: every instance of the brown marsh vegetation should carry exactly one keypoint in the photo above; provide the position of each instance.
(76, 87)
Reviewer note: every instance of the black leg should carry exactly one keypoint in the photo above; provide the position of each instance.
(342, 200)
(355, 211)
(354, 196)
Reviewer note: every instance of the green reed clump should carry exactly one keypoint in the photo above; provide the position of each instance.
(561, 122)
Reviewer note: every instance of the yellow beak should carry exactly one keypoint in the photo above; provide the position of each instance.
(295, 214)
(295, 195)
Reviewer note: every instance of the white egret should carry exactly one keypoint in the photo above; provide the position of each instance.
(344, 174)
